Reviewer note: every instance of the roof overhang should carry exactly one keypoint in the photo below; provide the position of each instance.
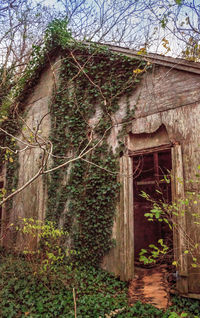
(174, 63)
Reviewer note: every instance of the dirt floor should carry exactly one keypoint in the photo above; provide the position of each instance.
(150, 286)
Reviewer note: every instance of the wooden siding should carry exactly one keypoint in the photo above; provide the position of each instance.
(120, 260)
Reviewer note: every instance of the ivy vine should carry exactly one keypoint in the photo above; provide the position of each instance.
(87, 200)
(81, 197)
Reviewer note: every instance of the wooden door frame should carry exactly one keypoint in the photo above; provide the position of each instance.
(120, 260)
(178, 192)
(179, 239)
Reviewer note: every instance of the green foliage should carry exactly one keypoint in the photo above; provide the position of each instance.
(6, 83)
(24, 293)
(179, 2)
(154, 251)
(57, 34)
(192, 50)
(51, 250)
(82, 195)
(171, 213)
(164, 22)
(88, 198)
(190, 306)
(94, 211)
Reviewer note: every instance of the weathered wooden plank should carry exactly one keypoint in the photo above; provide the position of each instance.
(173, 63)
(127, 245)
(120, 260)
(150, 150)
(125, 210)
(130, 263)
(180, 230)
(122, 221)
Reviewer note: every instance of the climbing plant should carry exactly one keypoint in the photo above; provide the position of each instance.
(82, 196)
(87, 200)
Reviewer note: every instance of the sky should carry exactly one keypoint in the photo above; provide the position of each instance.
(136, 27)
(162, 41)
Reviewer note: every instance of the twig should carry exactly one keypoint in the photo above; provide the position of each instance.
(74, 297)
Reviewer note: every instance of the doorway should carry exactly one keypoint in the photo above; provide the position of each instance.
(151, 174)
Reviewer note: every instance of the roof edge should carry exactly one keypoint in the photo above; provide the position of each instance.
(168, 61)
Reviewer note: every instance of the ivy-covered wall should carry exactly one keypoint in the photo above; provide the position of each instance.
(83, 94)
(86, 199)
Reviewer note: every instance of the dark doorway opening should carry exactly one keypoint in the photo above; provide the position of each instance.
(151, 174)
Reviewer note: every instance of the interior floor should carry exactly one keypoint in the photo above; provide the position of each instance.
(150, 286)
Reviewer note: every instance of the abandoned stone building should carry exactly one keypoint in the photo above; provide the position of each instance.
(162, 138)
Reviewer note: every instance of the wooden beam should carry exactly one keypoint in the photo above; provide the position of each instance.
(156, 167)
(180, 229)
(149, 150)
